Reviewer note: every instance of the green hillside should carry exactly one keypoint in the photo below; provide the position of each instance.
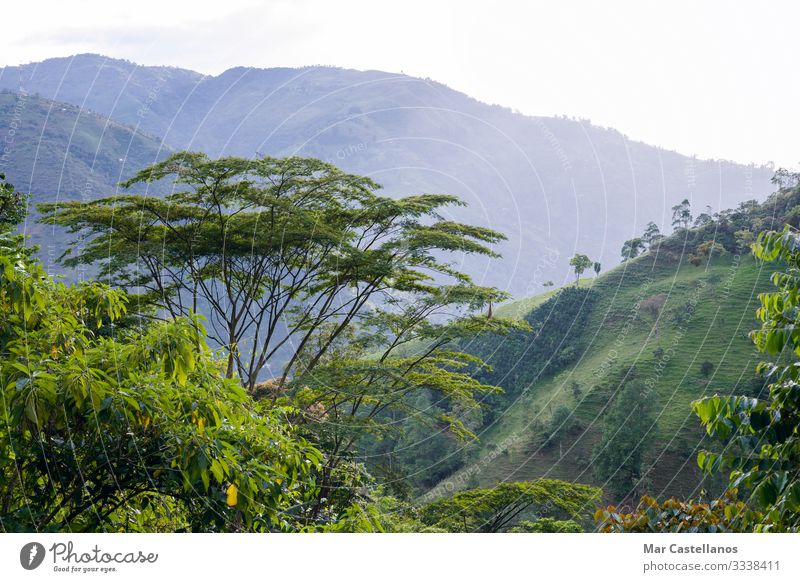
(657, 320)
(56, 151)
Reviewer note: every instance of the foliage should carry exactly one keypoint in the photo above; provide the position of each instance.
(672, 515)
(273, 249)
(763, 445)
(12, 205)
(547, 525)
(619, 456)
(553, 342)
(682, 215)
(499, 508)
(138, 432)
(304, 268)
(744, 240)
(579, 264)
(632, 248)
(651, 233)
(561, 424)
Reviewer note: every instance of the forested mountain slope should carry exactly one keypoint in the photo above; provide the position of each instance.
(600, 390)
(554, 186)
(56, 151)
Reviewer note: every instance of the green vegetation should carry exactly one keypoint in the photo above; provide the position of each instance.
(137, 432)
(502, 507)
(676, 330)
(304, 267)
(281, 338)
(12, 205)
(579, 264)
(760, 434)
(618, 459)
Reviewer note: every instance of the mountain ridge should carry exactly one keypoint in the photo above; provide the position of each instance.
(551, 184)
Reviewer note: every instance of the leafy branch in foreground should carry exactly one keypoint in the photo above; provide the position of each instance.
(139, 431)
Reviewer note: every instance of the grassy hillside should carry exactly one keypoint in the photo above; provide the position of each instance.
(706, 314)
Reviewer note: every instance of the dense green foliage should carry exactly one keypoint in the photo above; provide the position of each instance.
(554, 341)
(503, 507)
(12, 205)
(312, 284)
(657, 319)
(762, 435)
(618, 460)
(132, 431)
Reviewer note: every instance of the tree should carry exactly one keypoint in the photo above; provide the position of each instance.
(109, 430)
(597, 266)
(762, 451)
(299, 265)
(632, 248)
(272, 250)
(682, 215)
(579, 264)
(651, 234)
(706, 368)
(12, 206)
(619, 456)
(501, 507)
(706, 249)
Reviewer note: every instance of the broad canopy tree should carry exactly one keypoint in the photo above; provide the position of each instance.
(346, 295)
(272, 250)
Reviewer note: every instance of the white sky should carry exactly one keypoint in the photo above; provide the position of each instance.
(716, 79)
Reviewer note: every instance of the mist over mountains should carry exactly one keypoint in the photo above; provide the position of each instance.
(554, 186)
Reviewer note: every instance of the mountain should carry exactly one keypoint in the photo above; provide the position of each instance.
(554, 186)
(57, 151)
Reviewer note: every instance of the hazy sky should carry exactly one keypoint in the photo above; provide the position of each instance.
(716, 79)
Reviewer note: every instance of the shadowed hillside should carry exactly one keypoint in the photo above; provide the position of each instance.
(554, 186)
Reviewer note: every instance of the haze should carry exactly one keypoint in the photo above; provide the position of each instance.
(713, 79)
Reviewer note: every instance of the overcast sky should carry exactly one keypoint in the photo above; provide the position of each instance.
(715, 79)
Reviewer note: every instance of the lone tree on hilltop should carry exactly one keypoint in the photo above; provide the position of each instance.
(580, 263)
